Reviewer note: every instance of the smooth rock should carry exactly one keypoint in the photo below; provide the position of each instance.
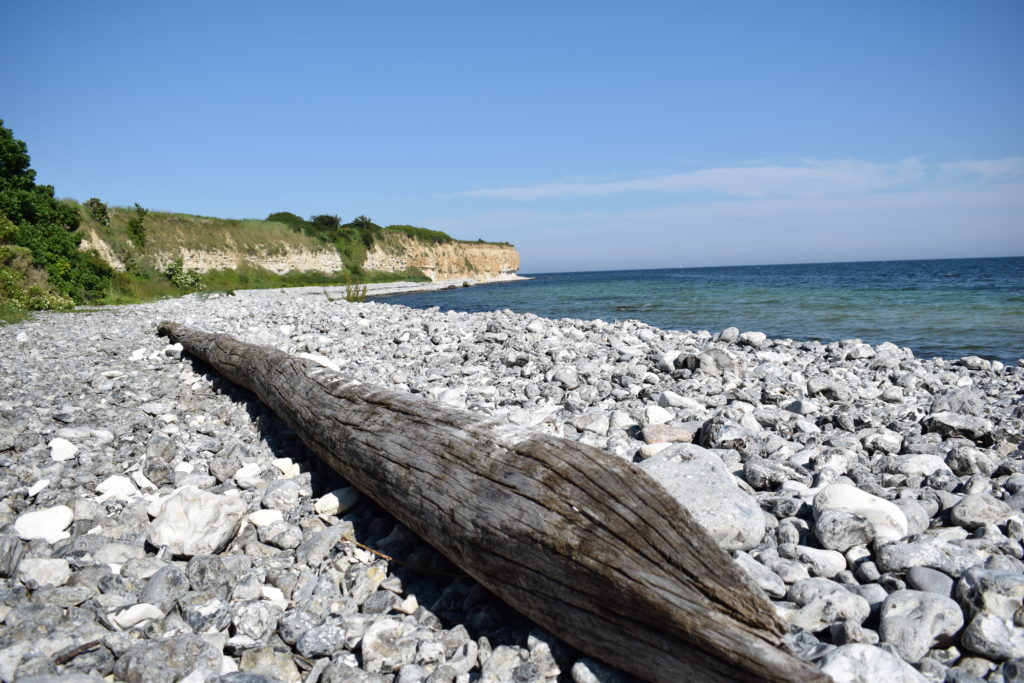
(978, 510)
(704, 487)
(35, 573)
(841, 530)
(337, 502)
(62, 450)
(663, 433)
(888, 521)
(914, 622)
(859, 663)
(48, 524)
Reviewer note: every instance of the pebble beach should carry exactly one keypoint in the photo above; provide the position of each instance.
(159, 524)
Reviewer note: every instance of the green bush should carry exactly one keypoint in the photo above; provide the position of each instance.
(99, 211)
(189, 279)
(296, 223)
(137, 226)
(36, 220)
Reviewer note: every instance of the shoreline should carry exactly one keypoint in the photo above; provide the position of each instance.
(852, 482)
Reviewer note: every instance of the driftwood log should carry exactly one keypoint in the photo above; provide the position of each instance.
(578, 540)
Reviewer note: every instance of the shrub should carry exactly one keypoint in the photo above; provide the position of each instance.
(296, 223)
(189, 279)
(34, 219)
(99, 211)
(137, 226)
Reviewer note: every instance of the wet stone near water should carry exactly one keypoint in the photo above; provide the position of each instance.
(150, 507)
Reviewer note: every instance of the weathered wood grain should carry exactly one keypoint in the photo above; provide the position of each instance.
(580, 541)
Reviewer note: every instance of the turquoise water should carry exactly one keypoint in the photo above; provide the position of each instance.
(948, 307)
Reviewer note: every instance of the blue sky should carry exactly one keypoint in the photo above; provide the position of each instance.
(592, 135)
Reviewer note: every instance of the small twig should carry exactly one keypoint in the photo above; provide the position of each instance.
(68, 656)
(413, 567)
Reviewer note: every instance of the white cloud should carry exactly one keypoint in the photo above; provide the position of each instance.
(808, 179)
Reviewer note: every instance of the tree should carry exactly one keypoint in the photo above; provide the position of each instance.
(46, 226)
(137, 226)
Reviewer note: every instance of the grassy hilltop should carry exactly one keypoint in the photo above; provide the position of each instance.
(145, 243)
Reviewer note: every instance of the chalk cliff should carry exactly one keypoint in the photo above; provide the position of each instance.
(445, 261)
(439, 261)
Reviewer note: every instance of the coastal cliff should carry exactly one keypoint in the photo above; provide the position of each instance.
(480, 261)
(207, 244)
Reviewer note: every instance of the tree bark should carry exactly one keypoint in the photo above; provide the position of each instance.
(578, 540)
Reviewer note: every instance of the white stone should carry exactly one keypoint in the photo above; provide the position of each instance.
(36, 573)
(826, 563)
(656, 415)
(888, 521)
(136, 614)
(62, 450)
(274, 595)
(141, 481)
(116, 486)
(248, 475)
(337, 502)
(262, 518)
(922, 464)
(649, 450)
(37, 487)
(286, 467)
(320, 360)
(408, 606)
(670, 399)
(859, 663)
(194, 522)
(48, 524)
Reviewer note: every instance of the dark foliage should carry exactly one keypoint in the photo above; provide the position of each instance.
(46, 226)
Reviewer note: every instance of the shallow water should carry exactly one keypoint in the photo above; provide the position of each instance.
(947, 307)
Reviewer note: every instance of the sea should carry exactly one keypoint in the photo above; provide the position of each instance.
(944, 307)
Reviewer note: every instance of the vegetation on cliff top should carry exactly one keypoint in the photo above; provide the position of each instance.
(43, 267)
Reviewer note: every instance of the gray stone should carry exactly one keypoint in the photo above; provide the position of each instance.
(165, 587)
(928, 551)
(35, 573)
(706, 489)
(993, 638)
(204, 612)
(915, 621)
(256, 619)
(387, 645)
(206, 572)
(949, 424)
(323, 640)
(11, 552)
(838, 529)
(930, 580)
(978, 510)
(166, 661)
(762, 576)
(278, 666)
(282, 495)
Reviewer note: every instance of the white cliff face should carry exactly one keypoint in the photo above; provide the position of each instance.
(277, 259)
(450, 261)
(476, 261)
